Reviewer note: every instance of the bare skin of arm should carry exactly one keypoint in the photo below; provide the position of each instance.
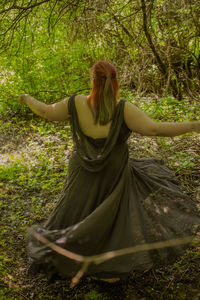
(135, 118)
(139, 122)
(53, 112)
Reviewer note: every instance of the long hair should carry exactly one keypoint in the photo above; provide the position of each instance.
(103, 97)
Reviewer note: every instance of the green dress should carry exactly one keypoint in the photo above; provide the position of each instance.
(111, 201)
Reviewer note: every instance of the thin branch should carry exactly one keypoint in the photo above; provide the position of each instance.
(23, 8)
(148, 36)
(99, 258)
(16, 20)
(50, 15)
(134, 39)
(56, 248)
(79, 275)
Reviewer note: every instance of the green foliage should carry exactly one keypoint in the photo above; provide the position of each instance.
(170, 109)
(48, 47)
(49, 68)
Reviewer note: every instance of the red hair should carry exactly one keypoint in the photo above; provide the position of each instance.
(103, 97)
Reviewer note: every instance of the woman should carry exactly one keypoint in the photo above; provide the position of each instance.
(111, 201)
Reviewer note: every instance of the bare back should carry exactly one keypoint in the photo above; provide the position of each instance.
(86, 119)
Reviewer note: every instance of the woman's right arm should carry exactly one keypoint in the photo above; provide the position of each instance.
(53, 112)
(139, 122)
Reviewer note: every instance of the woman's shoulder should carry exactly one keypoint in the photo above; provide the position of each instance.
(125, 105)
(77, 100)
(129, 106)
(80, 100)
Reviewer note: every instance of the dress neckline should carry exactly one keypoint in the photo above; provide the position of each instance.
(90, 137)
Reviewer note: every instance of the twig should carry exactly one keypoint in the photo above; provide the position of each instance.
(79, 275)
(99, 258)
(23, 8)
(56, 248)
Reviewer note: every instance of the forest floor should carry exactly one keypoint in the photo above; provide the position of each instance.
(34, 158)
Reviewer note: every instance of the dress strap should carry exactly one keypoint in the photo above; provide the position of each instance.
(71, 105)
(73, 115)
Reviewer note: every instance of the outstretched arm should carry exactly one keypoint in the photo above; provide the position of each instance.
(139, 122)
(53, 112)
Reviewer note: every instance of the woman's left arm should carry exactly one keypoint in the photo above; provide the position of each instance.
(53, 112)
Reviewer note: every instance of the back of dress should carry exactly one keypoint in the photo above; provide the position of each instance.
(110, 202)
(94, 154)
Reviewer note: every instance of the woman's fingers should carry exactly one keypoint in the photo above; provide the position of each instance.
(22, 98)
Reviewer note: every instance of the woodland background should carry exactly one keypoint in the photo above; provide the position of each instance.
(46, 50)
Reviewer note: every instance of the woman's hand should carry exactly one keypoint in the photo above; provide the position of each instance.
(23, 98)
